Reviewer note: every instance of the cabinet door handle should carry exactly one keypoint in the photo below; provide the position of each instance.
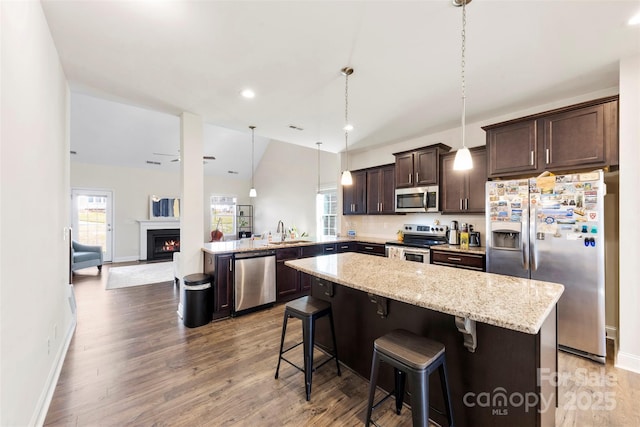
(381, 206)
(547, 154)
(450, 258)
(410, 177)
(466, 204)
(531, 162)
(230, 265)
(417, 177)
(369, 248)
(328, 249)
(461, 204)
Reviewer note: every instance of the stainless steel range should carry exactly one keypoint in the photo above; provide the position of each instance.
(417, 241)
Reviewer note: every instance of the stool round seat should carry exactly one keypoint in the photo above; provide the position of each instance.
(308, 309)
(415, 357)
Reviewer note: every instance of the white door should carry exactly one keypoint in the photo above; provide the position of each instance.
(92, 218)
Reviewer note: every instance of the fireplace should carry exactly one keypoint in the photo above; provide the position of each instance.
(162, 243)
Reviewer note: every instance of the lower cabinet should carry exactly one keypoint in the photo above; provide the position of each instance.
(464, 260)
(287, 279)
(370, 248)
(221, 267)
(346, 247)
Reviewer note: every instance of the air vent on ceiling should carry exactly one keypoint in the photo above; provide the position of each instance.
(295, 127)
(151, 162)
(73, 152)
(233, 172)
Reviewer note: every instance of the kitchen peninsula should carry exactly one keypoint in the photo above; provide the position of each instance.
(500, 332)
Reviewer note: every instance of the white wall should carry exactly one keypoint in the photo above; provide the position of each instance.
(629, 348)
(286, 181)
(131, 189)
(36, 319)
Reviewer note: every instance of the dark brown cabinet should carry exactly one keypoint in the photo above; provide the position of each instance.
(570, 138)
(464, 260)
(354, 196)
(381, 190)
(513, 149)
(221, 267)
(464, 191)
(346, 247)
(370, 248)
(287, 278)
(419, 167)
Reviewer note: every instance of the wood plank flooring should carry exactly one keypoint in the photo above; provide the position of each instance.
(132, 362)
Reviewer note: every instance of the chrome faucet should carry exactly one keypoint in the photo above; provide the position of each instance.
(281, 230)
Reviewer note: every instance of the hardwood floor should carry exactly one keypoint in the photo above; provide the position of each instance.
(132, 362)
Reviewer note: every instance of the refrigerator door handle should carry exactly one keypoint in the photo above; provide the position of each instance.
(532, 240)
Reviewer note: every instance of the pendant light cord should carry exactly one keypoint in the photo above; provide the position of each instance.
(346, 118)
(464, 97)
(252, 149)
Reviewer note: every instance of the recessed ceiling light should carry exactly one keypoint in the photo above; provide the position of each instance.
(248, 93)
(635, 20)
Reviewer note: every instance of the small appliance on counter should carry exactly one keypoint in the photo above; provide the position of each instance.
(474, 239)
(452, 234)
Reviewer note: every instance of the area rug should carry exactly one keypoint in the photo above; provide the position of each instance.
(137, 275)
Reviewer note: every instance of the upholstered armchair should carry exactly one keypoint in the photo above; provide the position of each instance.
(83, 256)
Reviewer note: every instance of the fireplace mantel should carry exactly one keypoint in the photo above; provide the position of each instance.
(152, 225)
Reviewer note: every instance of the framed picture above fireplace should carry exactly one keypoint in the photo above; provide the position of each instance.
(164, 207)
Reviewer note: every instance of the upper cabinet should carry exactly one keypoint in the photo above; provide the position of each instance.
(419, 167)
(464, 191)
(381, 190)
(354, 196)
(575, 137)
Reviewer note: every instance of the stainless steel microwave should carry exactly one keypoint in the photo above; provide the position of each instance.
(417, 199)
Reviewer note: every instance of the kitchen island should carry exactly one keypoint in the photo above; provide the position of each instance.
(500, 332)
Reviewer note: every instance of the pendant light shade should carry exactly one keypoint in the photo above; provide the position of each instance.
(346, 175)
(252, 192)
(463, 159)
(346, 178)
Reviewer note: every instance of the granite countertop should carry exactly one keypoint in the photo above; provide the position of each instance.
(246, 245)
(508, 302)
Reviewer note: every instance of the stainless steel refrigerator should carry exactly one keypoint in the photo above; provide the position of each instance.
(551, 228)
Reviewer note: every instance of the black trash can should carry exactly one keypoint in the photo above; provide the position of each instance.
(197, 301)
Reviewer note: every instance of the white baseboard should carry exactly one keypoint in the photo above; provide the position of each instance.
(46, 396)
(628, 361)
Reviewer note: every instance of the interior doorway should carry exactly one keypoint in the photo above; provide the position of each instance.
(92, 212)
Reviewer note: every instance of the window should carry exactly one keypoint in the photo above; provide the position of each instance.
(223, 212)
(326, 205)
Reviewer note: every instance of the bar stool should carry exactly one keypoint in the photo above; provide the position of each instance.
(416, 357)
(308, 309)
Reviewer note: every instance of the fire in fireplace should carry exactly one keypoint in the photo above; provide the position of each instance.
(161, 244)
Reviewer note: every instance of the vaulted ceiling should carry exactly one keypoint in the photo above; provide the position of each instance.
(197, 56)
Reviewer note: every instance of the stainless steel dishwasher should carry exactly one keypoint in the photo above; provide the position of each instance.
(255, 279)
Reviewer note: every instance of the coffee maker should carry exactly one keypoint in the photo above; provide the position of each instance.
(452, 234)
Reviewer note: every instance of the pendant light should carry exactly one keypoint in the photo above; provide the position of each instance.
(252, 192)
(346, 175)
(463, 159)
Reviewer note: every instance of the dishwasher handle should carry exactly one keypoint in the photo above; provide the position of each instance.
(254, 254)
